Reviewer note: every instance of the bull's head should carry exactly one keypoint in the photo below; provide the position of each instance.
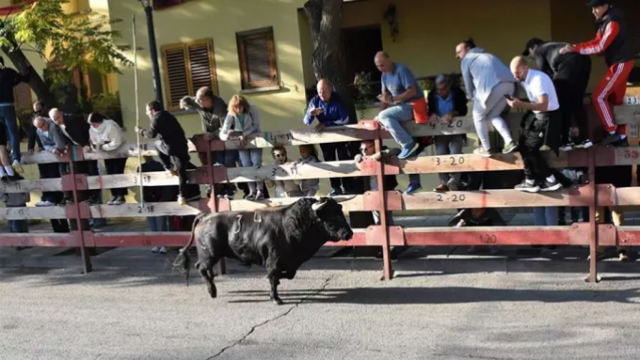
(330, 213)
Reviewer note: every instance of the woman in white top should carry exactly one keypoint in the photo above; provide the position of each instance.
(243, 120)
(106, 135)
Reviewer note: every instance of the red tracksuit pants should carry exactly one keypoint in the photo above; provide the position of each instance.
(612, 88)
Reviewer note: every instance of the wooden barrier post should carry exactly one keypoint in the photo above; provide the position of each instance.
(593, 227)
(213, 203)
(382, 207)
(84, 254)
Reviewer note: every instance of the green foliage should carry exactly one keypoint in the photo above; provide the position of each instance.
(107, 104)
(74, 41)
(365, 94)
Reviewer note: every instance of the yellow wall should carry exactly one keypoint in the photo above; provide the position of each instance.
(219, 20)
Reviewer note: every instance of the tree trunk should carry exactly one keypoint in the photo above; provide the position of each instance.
(325, 19)
(36, 83)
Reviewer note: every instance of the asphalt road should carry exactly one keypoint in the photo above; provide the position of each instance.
(59, 314)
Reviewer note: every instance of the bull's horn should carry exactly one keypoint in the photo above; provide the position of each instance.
(317, 206)
(346, 199)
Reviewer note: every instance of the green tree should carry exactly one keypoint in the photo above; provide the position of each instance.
(71, 42)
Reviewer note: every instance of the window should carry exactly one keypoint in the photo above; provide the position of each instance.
(187, 67)
(257, 54)
(22, 96)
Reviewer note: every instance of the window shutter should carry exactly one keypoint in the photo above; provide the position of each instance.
(176, 76)
(201, 64)
(22, 96)
(257, 59)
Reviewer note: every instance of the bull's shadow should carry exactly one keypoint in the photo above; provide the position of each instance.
(434, 295)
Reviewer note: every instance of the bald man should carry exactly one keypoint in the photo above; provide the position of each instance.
(326, 110)
(539, 128)
(399, 90)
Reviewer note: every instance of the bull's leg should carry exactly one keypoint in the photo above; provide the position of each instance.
(274, 280)
(206, 271)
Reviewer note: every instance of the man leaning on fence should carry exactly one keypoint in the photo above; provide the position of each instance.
(329, 111)
(544, 105)
(402, 99)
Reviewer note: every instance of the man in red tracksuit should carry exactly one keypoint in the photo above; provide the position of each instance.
(612, 39)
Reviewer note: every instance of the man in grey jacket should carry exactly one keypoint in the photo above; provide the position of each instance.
(488, 83)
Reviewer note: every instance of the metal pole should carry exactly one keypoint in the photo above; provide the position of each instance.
(137, 100)
(157, 86)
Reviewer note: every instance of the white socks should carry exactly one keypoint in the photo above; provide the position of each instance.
(2, 172)
(9, 170)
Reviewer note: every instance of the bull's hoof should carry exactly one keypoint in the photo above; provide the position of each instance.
(213, 293)
(277, 301)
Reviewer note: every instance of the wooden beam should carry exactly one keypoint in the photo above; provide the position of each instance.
(33, 213)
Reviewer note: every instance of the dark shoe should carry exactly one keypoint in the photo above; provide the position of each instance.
(335, 192)
(412, 188)
(119, 200)
(527, 187)
(610, 139)
(584, 144)
(567, 147)
(4, 179)
(621, 143)
(453, 185)
(441, 188)
(550, 186)
(409, 151)
(110, 202)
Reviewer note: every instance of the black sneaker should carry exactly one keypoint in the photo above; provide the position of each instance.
(527, 187)
(567, 147)
(4, 179)
(119, 200)
(610, 139)
(621, 143)
(113, 198)
(584, 144)
(550, 186)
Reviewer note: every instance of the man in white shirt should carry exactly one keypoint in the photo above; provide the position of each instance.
(535, 127)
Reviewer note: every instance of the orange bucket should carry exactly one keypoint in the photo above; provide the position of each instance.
(420, 113)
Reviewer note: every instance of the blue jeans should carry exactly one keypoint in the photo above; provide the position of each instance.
(18, 226)
(251, 158)
(546, 216)
(8, 119)
(449, 145)
(391, 119)
(227, 158)
(158, 223)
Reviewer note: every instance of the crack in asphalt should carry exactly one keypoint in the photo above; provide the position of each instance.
(255, 327)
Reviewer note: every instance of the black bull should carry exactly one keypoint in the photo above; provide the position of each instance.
(280, 240)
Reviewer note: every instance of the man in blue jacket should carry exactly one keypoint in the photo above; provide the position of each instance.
(326, 110)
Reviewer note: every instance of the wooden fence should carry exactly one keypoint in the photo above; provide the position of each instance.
(591, 195)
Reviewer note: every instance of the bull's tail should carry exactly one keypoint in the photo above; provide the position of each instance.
(182, 261)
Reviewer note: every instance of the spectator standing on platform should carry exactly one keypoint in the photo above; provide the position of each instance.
(243, 120)
(172, 148)
(400, 99)
(19, 200)
(9, 79)
(106, 135)
(613, 40)
(487, 81)
(52, 141)
(283, 188)
(327, 110)
(309, 155)
(570, 73)
(213, 111)
(544, 105)
(153, 194)
(445, 103)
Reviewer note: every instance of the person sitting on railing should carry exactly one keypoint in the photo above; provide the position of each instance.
(18, 200)
(172, 143)
(487, 81)
(544, 105)
(283, 188)
(308, 155)
(106, 135)
(402, 99)
(570, 73)
(76, 131)
(9, 78)
(213, 111)
(447, 101)
(327, 110)
(243, 120)
(7, 172)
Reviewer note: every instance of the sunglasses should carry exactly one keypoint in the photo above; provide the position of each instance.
(280, 155)
(364, 149)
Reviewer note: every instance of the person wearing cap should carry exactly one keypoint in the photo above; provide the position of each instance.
(545, 107)
(570, 73)
(487, 81)
(613, 40)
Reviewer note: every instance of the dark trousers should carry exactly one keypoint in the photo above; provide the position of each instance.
(178, 156)
(115, 167)
(530, 141)
(571, 86)
(338, 151)
(9, 119)
(52, 171)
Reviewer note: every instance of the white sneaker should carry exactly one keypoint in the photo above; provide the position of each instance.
(156, 249)
(163, 250)
(45, 203)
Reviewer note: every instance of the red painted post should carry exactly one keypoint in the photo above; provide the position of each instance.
(213, 203)
(593, 227)
(86, 258)
(382, 206)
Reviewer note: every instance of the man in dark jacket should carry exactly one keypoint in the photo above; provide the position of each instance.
(326, 110)
(570, 73)
(172, 143)
(612, 39)
(9, 78)
(445, 103)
